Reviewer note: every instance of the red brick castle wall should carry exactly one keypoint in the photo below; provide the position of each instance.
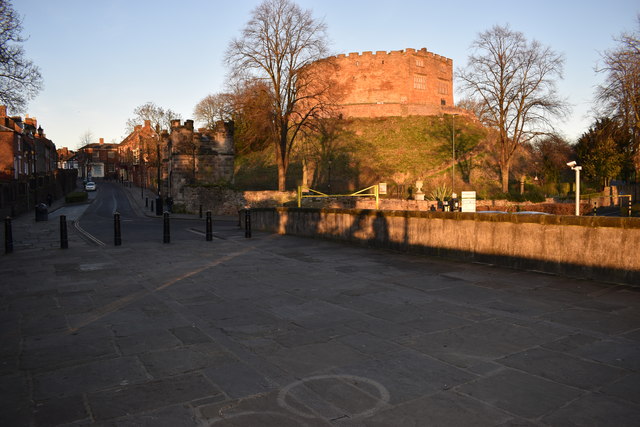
(396, 83)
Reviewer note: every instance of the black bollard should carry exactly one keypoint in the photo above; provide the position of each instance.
(166, 235)
(146, 202)
(64, 237)
(209, 234)
(247, 223)
(200, 211)
(8, 236)
(239, 218)
(152, 206)
(117, 235)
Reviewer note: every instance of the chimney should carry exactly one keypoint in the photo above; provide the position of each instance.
(175, 123)
(3, 111)
(188, 124)
(101, 141)
(147, 124)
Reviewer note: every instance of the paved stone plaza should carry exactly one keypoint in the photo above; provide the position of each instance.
(284, 331)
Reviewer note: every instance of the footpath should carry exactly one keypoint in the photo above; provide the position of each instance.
(285, 331)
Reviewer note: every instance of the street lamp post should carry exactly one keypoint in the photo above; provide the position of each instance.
(573, 165)
(453, 152)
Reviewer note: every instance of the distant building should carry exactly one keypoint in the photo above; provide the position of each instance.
(98, 160)
(67, 159)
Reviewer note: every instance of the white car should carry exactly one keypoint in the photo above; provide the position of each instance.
(90, 186)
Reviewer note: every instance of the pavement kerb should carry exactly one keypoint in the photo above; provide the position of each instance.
(133, 193)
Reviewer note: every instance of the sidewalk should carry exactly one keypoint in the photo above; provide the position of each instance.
(285, 331)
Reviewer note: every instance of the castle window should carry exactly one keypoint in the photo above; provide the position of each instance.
(419, 82)
(443, 89)
(443, 102)
(419, 62)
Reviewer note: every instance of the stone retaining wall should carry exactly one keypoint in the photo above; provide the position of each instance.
(597, 248)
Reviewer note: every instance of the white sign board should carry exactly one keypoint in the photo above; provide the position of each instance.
(382, 188)
(468, 201)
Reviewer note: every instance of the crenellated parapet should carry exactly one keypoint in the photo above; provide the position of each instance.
(381, 54)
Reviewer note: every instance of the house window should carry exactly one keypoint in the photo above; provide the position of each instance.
(96, 155)
(419, 82)
(111, 154)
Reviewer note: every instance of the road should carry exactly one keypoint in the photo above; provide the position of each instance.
(97, 222)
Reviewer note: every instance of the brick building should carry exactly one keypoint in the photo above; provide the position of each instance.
(98, 160)
(397, 83)
(28, 165)
(138, 154)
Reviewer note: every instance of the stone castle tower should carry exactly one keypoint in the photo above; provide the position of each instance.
(397, 83)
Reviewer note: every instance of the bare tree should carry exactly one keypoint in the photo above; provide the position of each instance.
(20, 79)
(214, 108)
(276, 45)
(619, 96)
(86, 138)
(516, 81)
(159, 117)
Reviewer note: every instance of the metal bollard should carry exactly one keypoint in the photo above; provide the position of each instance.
(117, 236)
(247, 223)
(166, 235)
(64, 237)
(152, 206)
(209, 234)
(200, 211)
(239, 217)
(146, 202)
(8, 236)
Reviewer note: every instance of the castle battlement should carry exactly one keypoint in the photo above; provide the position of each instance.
(409, 51)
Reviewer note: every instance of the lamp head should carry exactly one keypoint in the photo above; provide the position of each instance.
(571, 164)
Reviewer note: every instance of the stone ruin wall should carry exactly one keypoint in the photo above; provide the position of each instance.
(209, 151)
(396, 83)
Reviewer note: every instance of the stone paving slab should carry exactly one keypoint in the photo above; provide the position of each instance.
(284, 331)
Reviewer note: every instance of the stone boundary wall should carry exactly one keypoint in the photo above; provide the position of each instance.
(599, 248)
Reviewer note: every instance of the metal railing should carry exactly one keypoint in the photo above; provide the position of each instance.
(361, 193)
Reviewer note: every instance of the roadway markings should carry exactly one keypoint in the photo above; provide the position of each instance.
(381, 401)
(87, 235)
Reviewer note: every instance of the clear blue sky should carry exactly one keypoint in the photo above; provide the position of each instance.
(100, 59)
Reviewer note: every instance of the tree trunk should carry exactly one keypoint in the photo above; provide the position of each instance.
(282, 163)
(282, 177)
(282, 156)
(504, 172)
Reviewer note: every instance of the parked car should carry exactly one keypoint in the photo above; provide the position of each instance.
(90, 186)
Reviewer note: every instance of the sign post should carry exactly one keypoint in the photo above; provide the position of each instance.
(468, 201)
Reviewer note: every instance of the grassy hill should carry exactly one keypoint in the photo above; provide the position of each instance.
(355, 153)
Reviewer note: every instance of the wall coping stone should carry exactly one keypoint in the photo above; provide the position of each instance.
(584, 221)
